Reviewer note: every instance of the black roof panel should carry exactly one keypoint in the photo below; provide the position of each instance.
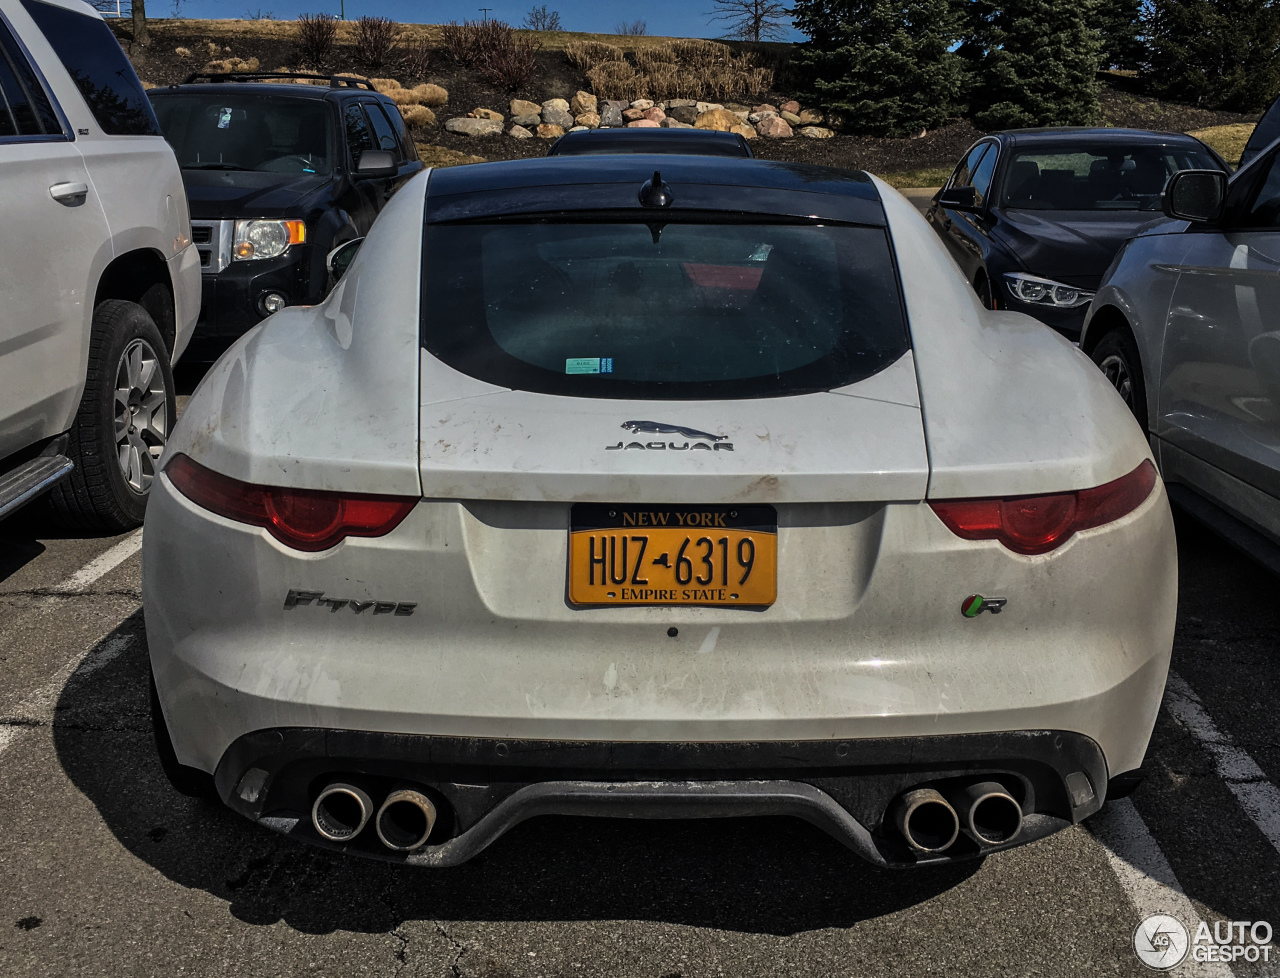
(612, 182)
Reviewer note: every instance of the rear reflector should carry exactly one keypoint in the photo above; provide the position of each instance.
(1037, 524)
(304, 519)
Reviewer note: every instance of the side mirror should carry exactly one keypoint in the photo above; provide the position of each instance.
(376, 163)
(959, 198)
(340, 259)
(1195, 195)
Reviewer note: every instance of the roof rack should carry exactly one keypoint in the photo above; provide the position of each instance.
(335, 81)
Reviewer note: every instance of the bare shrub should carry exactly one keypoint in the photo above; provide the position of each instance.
(493, 48)
(510, 63)
(375, 40)
(317, 38)
(542, 19)
(585, 55)
(635, 28)
(616, 79)
(417, 56)
(259, 14)
(658, 54)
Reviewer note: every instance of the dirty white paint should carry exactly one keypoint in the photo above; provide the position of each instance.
(709, 643)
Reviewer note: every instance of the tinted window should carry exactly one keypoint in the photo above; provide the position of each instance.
(963, 177)
(93, 58)
(383, 131)
(359, 137)
(1267, 129)
(25, 109)
(1116, 178)
(982, 175)
(1265, 212)
(662, 311)
(269, 133)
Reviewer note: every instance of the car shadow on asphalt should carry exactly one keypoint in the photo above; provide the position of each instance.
(776, 876)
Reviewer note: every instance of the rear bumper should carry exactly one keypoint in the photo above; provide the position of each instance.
(485, 786)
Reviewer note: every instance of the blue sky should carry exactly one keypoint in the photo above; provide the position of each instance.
(677, 18)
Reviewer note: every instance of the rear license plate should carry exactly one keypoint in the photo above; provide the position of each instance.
(673, 555)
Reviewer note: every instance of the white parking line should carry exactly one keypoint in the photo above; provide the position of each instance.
(38, 707)
(103, 564)
(1259, 798)
(1146, 876)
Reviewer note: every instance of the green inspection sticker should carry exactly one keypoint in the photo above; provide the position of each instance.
(588, 365)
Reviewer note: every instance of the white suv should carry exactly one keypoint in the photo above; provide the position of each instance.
(99, 281)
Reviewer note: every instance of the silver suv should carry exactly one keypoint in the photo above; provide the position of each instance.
(99, 281)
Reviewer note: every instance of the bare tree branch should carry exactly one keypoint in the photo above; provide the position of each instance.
(753, 20)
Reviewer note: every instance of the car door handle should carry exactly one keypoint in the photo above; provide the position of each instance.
(69, 193)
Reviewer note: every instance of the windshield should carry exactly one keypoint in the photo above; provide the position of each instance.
(247, 132)
(1104, 178)
(676, 310)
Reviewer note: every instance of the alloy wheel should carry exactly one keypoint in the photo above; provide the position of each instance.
(141, 414)
(1116, 370)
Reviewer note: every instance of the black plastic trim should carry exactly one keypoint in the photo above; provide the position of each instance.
(486, 786)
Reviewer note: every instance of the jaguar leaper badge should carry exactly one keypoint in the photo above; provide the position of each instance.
(976, 604)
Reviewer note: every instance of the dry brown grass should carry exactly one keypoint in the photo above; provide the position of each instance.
(233, 64)
(441, 156)
(1228, 140)
(585, 55)
(417, 116)
(430, 94)
(616, 80)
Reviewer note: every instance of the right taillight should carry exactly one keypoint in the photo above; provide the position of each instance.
(304, 519)
(1037, 524)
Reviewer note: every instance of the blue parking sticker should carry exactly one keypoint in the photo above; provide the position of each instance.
(588, 365)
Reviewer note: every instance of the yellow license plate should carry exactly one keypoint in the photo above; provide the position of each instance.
(673, 555)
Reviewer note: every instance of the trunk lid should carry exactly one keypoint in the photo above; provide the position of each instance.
(861, 443)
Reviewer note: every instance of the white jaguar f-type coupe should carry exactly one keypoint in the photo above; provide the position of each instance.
(656, 486)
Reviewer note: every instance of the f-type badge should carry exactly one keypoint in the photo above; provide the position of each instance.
(703, 440)
(976, 604)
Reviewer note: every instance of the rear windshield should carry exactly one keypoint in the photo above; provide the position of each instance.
(678, 310)
(1106, 178)
(247, 132)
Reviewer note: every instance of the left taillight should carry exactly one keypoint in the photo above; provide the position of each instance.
(1037, 524)
(304, 519)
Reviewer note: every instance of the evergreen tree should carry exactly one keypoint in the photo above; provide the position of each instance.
(1036, 62)
(1119, 26)
(887, 68)
(1219, 53)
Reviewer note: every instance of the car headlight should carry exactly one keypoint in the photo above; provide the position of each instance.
(1039, 291)
(266, 239)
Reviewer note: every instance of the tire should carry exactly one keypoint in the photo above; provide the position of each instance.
(985, 295)
(189, 781)
(129, 377)
(1117, 357)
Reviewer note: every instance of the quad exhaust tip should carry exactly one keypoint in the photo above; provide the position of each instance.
(990, 814)
(405, 820)
(926, 820)
(341, 812)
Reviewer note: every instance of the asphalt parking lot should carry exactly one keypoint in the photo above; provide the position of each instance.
(107, 871)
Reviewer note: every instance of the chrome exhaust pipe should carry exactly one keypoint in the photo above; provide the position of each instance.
(926, 820)
(341, 811)
(988, 812)
(405, 820)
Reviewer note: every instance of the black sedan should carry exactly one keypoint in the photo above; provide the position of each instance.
(1035, 216)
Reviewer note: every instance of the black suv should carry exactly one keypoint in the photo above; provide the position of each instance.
(278, 174)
